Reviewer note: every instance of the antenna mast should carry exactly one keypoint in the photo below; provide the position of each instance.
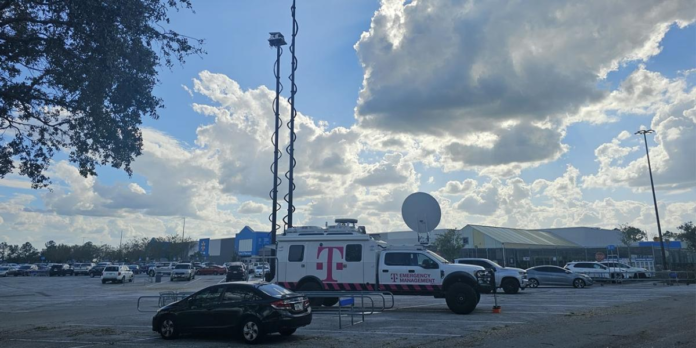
(291, 125)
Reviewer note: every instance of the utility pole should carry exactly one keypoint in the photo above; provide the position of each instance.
(120, 243)
(183, 240)
(652, 185)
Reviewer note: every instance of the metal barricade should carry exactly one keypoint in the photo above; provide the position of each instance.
(164, 298)
(357, 294)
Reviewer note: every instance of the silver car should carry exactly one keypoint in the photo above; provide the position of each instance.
(554, 275)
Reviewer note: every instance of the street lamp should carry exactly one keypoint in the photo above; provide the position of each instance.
(657, 215)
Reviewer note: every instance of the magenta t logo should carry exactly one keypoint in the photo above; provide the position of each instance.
(329, 259)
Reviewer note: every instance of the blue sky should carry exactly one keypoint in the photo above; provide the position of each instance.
(405, 48)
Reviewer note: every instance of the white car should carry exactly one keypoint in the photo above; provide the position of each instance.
(164, 268)
(4, 270)
(595, 270)
(115, 274)
(183, 271)
(629, 271)
(510, 279)
(260, 271)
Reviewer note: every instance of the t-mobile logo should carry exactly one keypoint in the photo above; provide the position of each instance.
(329, 259)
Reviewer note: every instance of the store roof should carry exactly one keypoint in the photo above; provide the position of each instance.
(519, 236)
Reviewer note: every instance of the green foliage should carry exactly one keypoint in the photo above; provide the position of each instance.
(78, 76)
(449, 245)
(630, 234)
(687, 235)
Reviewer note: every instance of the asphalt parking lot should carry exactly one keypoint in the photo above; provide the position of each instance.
(81, 312)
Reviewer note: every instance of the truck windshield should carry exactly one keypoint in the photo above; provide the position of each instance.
(437, 257)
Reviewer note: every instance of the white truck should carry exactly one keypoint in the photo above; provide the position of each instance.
(345, 258)
(164, 268)
(510, 279)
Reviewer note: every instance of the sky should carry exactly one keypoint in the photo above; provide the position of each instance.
(509, 113)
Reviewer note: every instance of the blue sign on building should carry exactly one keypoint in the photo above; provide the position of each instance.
(249, 242)
(204, 246)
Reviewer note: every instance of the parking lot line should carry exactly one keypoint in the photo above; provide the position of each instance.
(455, 320)
(382, 333)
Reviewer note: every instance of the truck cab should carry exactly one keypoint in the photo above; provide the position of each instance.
(345, 258)
(510, 279)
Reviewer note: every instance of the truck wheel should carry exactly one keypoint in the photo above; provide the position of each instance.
(328, 302)
(461, 298)
(510, 286)
(312, 286)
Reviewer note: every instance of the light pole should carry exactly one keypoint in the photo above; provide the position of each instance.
(652, 185)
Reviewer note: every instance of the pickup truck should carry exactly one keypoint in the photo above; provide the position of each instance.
(510, 279)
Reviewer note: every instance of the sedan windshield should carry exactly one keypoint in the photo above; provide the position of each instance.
(182, 267)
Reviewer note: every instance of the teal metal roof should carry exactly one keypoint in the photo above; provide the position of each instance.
(519, 236)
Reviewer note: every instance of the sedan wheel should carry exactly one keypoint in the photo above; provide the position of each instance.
(251, 330)
(533, 283)
(168, 329)
(578, 283)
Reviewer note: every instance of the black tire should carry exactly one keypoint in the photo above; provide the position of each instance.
(461, 298)
(103, 281)
(251, 330)
(510, 286)
(328, 302)
(533, 283)
(168, 328)
(312, 286)
(130, 280)
(287, 332)
(578, 283)
(151, 273)
(91, 275)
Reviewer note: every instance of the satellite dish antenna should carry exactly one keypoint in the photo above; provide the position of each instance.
(421, 213)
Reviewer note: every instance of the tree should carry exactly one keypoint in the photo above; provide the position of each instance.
(687, 235)
(28, 253)
(630, 235)
(449, 245)
(78, 75)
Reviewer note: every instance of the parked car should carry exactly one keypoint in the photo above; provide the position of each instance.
(135, 269)
(251, 309)
(236, 272)
(510, 279)
(595, 270)
(4, 270)
(60, 269)
(96, 271)
(629, 271)
(115, 274)
(164, 268)
(554, 275)
(104, 264)
(260, 271)
(23, 270)
(183, 271)
(82, 268)
(211, 270)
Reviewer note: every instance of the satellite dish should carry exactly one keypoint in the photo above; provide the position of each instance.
(421, 212)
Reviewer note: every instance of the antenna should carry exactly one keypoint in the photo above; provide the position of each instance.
(422, 214)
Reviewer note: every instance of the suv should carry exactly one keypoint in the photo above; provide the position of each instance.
(183, 271)
(82, 268)
(60, 269)
(115, 274)
(630, 271)
(510, 279)
(595, 270)
(236, 271)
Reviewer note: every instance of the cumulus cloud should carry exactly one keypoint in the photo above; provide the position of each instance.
(673, 161)
(250, 207)
(455, 70)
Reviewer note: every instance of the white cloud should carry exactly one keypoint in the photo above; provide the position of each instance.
(250, 207)
(446, 73)
(673, 161)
